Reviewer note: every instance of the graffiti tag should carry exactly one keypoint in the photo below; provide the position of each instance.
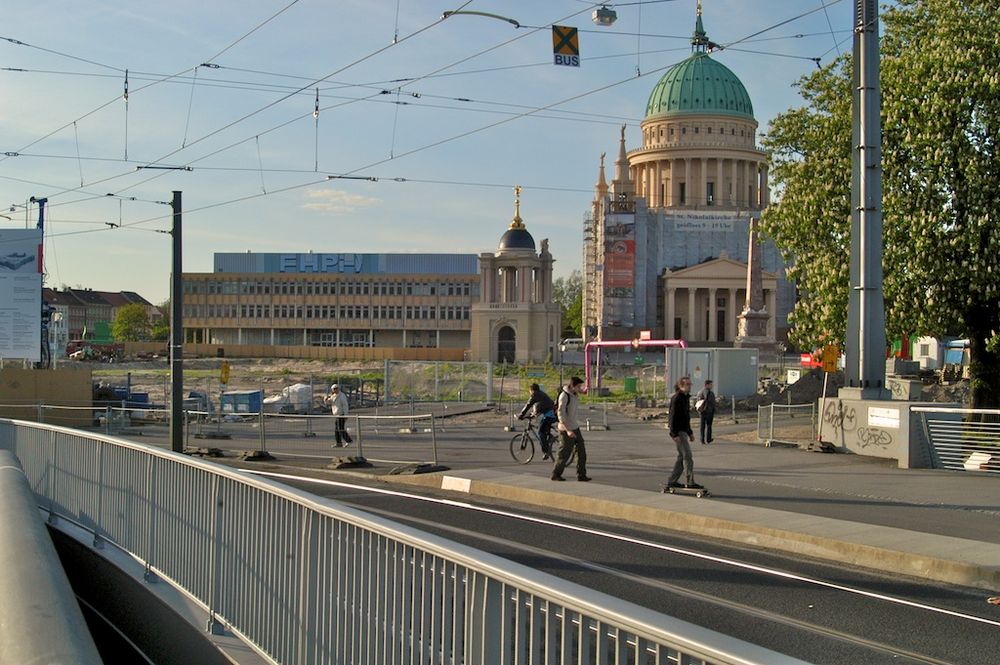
(839, 417)
(872, 437)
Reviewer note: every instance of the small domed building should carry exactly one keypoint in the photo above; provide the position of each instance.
(666, 242)
(515, 320)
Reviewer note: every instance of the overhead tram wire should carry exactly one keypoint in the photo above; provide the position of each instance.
(292, 187)
(270, 105)
(118, 97)
(244, 85)
(342, 69)
(474, 131)
(781, 23)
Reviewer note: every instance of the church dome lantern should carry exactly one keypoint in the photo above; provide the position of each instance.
(699, 85)
(516, 238)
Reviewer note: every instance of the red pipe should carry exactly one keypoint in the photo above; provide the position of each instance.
(631, 343)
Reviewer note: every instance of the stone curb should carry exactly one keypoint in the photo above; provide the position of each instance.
(887, 549)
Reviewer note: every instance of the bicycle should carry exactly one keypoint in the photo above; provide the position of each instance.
(522, 445)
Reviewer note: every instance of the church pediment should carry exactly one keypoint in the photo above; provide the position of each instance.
(719, 268)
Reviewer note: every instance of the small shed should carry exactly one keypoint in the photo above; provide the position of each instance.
(241, 401)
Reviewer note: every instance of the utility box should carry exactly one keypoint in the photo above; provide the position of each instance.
(241, 401)
(734, 371)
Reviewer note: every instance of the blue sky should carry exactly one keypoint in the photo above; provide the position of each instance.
(446, 120)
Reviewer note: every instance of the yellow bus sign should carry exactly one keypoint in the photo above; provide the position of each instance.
(224, 372)
(566, 45)
(831, 354)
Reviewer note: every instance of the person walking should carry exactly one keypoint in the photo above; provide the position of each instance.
(338, 407)
(569, 431)
(544, 408)
(679, 426)
(704, 403)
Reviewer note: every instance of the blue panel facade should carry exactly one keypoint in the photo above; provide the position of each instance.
(347, 263)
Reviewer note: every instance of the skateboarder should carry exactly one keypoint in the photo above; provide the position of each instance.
(679, 425)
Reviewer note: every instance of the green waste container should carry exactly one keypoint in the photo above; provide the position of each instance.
(630, 384)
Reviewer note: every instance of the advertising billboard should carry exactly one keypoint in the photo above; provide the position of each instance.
(21, 293)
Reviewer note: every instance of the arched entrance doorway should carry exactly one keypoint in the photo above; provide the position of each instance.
(506, 345)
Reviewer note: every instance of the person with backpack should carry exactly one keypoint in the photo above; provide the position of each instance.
(569, 431)
(704, 403)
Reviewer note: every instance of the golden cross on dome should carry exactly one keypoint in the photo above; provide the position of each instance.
(516, 223)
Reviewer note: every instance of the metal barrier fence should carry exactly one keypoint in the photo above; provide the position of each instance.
(962, 439)
(305, 580)
(786, 423)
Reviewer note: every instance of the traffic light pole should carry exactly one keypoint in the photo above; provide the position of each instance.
(176, 334)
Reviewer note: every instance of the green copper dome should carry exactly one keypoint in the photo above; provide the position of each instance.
(699, 84)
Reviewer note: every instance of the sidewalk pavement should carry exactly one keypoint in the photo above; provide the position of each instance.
(857, 511)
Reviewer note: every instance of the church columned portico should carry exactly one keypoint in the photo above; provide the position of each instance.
(702, 302)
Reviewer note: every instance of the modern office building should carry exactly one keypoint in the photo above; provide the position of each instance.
(332, 300)
(666, 242)
(427, 306)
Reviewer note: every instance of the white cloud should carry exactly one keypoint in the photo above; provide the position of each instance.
(337, 201)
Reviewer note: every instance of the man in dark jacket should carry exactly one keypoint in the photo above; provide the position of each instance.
(705, 403)
(679, 425)
(545, 409)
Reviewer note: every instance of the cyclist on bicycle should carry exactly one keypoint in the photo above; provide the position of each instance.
(544, 408)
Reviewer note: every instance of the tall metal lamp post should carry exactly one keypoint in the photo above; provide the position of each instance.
(176, 332)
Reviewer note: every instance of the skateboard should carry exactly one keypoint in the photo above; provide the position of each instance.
(687, 490)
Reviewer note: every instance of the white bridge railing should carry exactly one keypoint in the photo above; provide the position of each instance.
(305, 580)
(963, 439)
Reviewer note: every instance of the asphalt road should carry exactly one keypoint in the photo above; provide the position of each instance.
(813, 611)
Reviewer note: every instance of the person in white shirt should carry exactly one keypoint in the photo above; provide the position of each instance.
(569, 431)
(338, 407)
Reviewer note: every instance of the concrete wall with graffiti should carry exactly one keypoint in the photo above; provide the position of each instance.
(887, 429)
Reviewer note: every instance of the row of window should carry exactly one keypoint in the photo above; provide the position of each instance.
(383, 312)
(696, 130)
(234, 287)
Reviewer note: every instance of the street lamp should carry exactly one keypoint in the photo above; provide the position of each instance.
(604, 16)
(475, 13)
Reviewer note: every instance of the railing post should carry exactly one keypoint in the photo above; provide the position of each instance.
(107, 419)
(357, 435)
(263, 437)
(54, 476)
(214, 626)
(605, 415)
(434, 442)
(147, 556)
(412, 428)
(40, 418)
(770, 435)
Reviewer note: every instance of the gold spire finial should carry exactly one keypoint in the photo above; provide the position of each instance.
(699, 7)
(516, 223)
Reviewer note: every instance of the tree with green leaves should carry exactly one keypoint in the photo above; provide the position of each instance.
(131, 324)
(940, 76)
(160, 328)
(567, 292)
